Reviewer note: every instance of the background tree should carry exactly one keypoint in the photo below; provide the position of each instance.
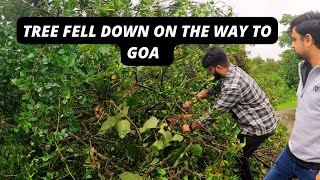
(289, 61)
(267, 73)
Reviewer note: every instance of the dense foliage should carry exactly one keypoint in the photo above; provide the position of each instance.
(74, 111)
(289, 61)
(268, 74)
(279, 79)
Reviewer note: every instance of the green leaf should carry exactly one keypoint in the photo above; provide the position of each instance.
(64, 160)
(103, 49)
(71, 60)
(117, 94)
(179, 161)
(79, 71)
(196, 149)
(167, 135)
(31, 55)
(65, 58)
(142, 130)
(158, 144)
(177, 137)
(130, 176)
(61, 51)
(123, 128)
(151, 123)
(134, 100)
(84, 47)
(154, 161)
(15, 81)
(145, 144)
(125, 2)
(161, 171)
(46, 157)
(163, 178)
(124, 112)
(176, 163)
(108, 124)
(67, 93)
(244, 143)
(177, 154)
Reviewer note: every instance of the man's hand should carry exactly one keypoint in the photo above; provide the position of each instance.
(186, 105)
(186, 128)
(201, 95)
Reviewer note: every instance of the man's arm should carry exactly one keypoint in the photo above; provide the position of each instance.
(188, 128)
(204, 94)
(227, 99)
(201, 95)
(206, 121)
(214, 90)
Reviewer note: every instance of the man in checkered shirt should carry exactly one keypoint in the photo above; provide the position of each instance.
(241, 95)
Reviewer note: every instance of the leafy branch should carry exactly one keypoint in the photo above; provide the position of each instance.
(137, 130)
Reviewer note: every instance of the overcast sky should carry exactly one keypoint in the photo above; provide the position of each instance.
(271, 8)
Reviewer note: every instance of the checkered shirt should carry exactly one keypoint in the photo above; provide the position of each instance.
(242, 95)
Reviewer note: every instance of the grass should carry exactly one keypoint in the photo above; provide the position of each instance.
(286, 105)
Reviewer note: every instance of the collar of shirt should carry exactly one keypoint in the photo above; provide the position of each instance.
(230, 71)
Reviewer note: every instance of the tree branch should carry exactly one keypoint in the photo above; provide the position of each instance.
(261, 161)
(149, 88)
(127, 119)
(37, 9)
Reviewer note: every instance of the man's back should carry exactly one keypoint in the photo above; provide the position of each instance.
(255, 113)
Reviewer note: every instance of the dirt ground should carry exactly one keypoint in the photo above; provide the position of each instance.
(287, 116)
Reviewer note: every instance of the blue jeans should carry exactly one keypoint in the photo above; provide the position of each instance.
(285, 168)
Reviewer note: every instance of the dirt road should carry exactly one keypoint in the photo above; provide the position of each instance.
(287, 116)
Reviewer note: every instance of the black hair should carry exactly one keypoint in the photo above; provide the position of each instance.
(215, 56)
(307, 23)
